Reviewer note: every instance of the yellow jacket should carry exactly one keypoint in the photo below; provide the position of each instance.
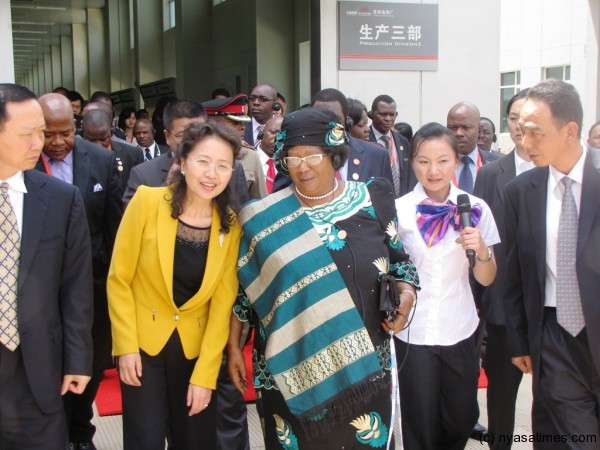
(143, 314)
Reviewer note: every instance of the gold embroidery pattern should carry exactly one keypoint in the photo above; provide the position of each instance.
(297, 287)
(242, 261)
(328, 361)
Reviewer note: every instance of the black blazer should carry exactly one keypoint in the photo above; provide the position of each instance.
(154, 173)
(96, 176)
(525, 277)
(489, 185)
(54, 293)
(127, 157)
(407, 176)
(365, 160)
(248, 133)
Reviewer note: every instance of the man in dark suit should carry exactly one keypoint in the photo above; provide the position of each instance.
(93, 170)
(503, 377)
(178, 115)
(383, 114)
(365, 160)
(96, 128)
(143, 130)
(464, 121)
(552, 282)
(46, 343)
(262, 106)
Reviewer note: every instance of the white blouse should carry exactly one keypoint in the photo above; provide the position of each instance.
(445, 312)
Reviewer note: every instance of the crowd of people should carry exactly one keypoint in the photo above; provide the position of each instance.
(372, 271)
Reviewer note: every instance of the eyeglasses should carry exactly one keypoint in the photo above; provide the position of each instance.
(204, 165)
(310, 160)
(260, 98)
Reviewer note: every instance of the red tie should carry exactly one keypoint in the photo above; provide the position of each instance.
(271, 172)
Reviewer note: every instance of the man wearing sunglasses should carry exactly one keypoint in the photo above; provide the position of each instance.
(261, 102)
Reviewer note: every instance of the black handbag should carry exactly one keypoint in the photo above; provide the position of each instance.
(389, 298)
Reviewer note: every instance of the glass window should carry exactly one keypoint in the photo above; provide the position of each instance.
(562, 73)
(510, 84)
(168, 14)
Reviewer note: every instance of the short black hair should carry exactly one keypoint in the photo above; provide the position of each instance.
(178, 109)
(521, 94)
(96, 96)
(124, 115)
(331, 95)
(404, 129)
(592, 128)
(74, 96)
(12, 93)
(490, 121)
(562, 99)
(220, 91)
(356, 109)
(381, 99)
(429, 132)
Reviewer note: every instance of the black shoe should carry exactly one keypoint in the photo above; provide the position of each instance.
(83, 445)
(479, 432)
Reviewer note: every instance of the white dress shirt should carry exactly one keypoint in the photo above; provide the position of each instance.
(553, 205)
(521, 165)
(445, 312)
(16, 194)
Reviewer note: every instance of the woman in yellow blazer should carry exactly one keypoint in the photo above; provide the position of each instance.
(171, 287)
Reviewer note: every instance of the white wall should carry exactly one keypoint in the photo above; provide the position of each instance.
(7, 68)
(467, 68)
(543, 33)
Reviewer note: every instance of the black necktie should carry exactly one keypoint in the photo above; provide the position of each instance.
(148, 154)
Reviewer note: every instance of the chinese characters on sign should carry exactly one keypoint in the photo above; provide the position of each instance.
(388, 36)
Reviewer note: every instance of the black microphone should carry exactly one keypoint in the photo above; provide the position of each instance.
(464, 209)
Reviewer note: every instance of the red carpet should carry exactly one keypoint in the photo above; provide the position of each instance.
(250, 394)
(108, 398)
(483, 381)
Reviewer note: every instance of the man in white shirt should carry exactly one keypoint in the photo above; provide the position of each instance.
(551, 280)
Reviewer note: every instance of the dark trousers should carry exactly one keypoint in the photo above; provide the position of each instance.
(161, 402)
(438, 394)
(503, 385)
(568, 386)
(232, 423)
(23, 425)
(79, 410)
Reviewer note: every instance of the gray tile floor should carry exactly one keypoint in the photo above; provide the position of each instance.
(109, 434)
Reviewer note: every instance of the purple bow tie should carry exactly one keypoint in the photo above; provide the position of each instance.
(434, 218)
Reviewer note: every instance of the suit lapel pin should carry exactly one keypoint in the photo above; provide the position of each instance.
(356, 161)
(355, 176)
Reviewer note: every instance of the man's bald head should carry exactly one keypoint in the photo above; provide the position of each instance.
(464, 121)
(98, 105)
(59, 137)
(56, 105)
(96, 127)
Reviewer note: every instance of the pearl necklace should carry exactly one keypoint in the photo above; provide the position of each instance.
(318, 197)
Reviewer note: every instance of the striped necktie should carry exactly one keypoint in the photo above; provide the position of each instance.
(395, 171)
